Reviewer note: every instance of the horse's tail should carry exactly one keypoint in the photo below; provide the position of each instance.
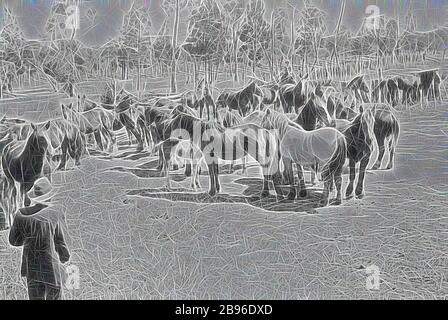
(336, 161)
(395, 131)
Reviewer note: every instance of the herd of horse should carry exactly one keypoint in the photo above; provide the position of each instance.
(302, 124)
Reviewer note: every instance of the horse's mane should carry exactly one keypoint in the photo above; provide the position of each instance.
(188, 122)
(155, 115)
(230, 119)
(279, 121)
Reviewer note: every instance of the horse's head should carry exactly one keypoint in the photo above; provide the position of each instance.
(318, 91)
(39, 137)
(67, 111)
(222, 100)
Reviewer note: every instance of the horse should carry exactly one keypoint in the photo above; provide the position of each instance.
(240, 100)
(430, 82)
(96, 121)
(311, 113)
(293, 97)
(146, 117)
(325, 147)
(124, 117)
(387, 127)
(217, 143)
(67, 137)
(62, 136)
(359, 134)
(410, 92)
(359, 88)
(389, 92)
(271, 95)
(205, 102)
(23, 162)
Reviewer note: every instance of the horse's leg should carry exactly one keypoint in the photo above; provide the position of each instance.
(337, 180)
(166, 154)
(196, 173)
(349, 191)
(64, 149)
(211, 173)
(160, 161)
(113, 140)
(381, 149)
(193, 175)
(244, 165)
(289, 173)
(130, 128)
(313, 174)
(98, 140)
(326, 193)
(302, 187)
(362, 172)
(277, 180)
(188, 166)
(390, 165)
(218, 185)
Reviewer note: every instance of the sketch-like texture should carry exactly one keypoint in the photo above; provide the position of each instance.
(223, 149)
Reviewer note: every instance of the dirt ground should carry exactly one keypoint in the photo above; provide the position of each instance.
(132, 239)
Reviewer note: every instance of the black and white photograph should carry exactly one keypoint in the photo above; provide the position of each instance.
(225, 150)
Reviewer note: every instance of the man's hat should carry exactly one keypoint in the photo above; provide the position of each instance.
(42, 191)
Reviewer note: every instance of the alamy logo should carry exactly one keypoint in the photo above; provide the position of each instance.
(72, 21)
(373, 278)
(72, 281)
(373, 18)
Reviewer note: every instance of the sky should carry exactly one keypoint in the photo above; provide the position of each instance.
(32, 14)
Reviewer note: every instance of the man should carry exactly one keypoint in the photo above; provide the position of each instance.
(38, 229)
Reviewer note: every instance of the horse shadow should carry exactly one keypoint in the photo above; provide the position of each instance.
(250, 196)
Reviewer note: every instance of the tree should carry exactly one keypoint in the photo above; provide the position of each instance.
(206, 36)
(234, 12)
(255, 34)
(12, 42)
(310, 32)
(135, 39)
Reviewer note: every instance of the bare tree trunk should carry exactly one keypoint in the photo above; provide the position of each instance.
(173, 86)
(272, 45)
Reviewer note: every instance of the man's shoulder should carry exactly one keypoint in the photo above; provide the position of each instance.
(41, 213)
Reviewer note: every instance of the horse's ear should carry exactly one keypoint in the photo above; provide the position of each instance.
(268, 111)
(361, 109)
(70, 106)
(47, 125)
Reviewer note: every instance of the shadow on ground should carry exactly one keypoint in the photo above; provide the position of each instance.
(250, 196)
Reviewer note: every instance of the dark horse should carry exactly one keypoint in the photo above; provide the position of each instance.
(63, 136)
(410, 92)
(359, 88)
(67, 137)
(23, 163)
(312, 113)
(359, 136)
(216, 142)
(386, 128)
(242, 99)
(123, 118)
(292, 97)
